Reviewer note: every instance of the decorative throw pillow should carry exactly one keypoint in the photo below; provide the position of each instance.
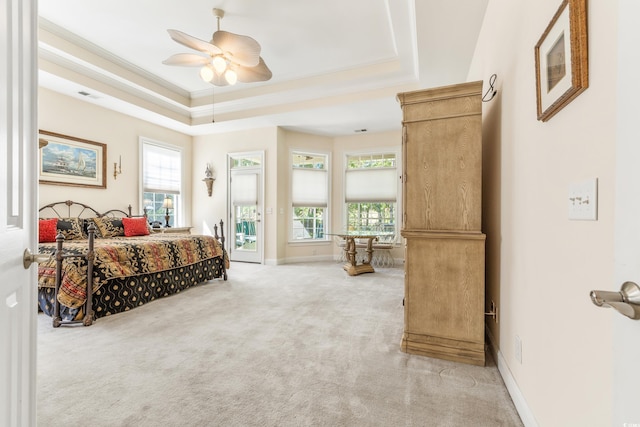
(47, 230)
(109, 227)
(135, 226)
(86, 222)
(71, 228)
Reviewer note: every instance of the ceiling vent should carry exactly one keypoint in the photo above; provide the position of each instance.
(84, 93)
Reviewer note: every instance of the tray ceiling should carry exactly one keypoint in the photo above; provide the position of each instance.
(336, 65)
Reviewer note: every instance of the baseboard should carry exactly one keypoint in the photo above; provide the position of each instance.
(295, 260)
(512, 386)
(313, 258)
(397, 262)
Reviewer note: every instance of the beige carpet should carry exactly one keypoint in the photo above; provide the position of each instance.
(292, 345)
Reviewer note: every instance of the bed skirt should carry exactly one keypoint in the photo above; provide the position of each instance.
(123, 294)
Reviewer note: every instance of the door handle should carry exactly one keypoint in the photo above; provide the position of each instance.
(29, 258)
(626, 301)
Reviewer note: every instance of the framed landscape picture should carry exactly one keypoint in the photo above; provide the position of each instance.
(561, 55)
(66, 160)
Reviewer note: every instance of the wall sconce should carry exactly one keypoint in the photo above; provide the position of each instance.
(117, 168)
(167, 204)
(208, 173)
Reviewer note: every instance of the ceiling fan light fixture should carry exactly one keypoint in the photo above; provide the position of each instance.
(219, 64)
(207, 73)
(231, 76)
(226, 59)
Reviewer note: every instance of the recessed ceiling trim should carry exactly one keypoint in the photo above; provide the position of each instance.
(327, 101)
(340, 79)
(111, 87)
(74, 46)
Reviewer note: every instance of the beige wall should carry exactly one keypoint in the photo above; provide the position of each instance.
(277, 145)
(214, 149)
(540, 265)
(69, 116)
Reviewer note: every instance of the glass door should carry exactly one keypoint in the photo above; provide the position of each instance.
(245, 219)
(245, 199)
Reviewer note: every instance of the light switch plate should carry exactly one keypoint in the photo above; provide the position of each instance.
(583, 200)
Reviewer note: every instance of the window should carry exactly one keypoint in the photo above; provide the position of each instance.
(249, 161)
(154, 208)
(161, 182)
(309, 196)
(371, 188)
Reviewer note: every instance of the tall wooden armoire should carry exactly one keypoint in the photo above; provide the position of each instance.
(444, 244)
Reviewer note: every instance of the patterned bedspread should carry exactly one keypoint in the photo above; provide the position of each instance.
(122, 257)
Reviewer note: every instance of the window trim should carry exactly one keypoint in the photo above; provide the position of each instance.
(327, 208)
(399, 170)
(181, 199)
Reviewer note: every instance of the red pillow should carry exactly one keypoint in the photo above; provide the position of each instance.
(135, 226)
(47, 230)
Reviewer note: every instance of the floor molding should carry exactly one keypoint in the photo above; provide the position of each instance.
(512, 386)
(302, 259)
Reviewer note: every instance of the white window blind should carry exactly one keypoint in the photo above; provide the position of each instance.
(244, 189)
(371, 185)
(161, 169)
(309, 188)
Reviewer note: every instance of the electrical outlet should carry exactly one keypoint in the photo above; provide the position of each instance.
(518, 349)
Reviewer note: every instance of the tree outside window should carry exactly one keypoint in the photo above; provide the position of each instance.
(155, 212)
(371, 183)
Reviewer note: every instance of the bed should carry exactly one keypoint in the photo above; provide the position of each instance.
(127, 262)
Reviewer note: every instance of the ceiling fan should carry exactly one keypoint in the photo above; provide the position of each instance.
(227, 58)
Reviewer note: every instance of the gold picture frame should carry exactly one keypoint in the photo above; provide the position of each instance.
(562, 61)
(67, 160)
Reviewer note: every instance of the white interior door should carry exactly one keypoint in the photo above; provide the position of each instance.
(626, 333)
(245, 207)
(18, 201)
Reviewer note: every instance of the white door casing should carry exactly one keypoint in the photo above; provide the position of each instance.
(246, 187)
(18, 210)
(626, 332)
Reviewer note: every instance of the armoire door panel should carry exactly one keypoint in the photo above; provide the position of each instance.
(442, 166)
(446, 295)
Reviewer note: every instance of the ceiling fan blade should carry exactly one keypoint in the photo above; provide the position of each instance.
(244, 50)
(259, 73)
(187, 60)
(194, 43)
